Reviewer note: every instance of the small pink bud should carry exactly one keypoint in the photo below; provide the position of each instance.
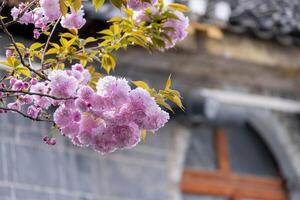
(2, 85)
(36, 34)
(15, 105)
(33, 81)
(18, 85)
(9, 53)
(49, 141)
(25, 85)
(12, 81)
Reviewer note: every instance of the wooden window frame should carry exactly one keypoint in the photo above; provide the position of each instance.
(225, 183)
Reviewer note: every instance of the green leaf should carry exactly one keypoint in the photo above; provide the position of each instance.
(117, 3)
(35, 46)
(168, 83)
(23, 70)
(63, 7)
(76, 4)
(108, 62)
(141, 84)
(98, 4)
(143, 135)
(106, 32)
(90, 39)
(179, 7)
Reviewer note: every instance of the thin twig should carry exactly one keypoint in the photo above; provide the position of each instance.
(21, 14)
(27, 116)
(35, 93)
(17, 48)
(48, 41)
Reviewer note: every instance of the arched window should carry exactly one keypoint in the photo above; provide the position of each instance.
(230, 163)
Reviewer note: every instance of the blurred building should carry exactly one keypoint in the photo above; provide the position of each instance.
(239, 138)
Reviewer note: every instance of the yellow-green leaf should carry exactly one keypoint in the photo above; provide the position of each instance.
(63, 7)
(143, 134)
(116, 3)
(179, 7)
(108, 62)
(141, 84)
(23, 70)
(168, 83)
(35, 46)
(76, 4)
(52, 51)
(97, 4)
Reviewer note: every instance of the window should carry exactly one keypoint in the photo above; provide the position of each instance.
(230, 163)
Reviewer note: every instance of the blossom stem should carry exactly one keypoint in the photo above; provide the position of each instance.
(35, 93)
(15, 45)
(24, 115)
(21, 13)
(48, 41)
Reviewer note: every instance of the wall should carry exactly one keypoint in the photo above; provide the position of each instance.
(31, 170)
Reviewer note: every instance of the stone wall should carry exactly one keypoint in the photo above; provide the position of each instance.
(31, 170)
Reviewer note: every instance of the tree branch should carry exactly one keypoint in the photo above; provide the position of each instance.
(27, 116)
(48, 41)
(21, 13)
(35, 93)
(16, 47)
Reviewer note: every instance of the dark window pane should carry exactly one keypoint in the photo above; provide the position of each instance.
(201, 153)
(248, 152)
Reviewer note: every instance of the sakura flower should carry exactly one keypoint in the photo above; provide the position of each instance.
(26, 99)
(9, 53)
(40, 88)
(179, 27)
(71, 130)
(147, 114)
(33, 81)
(86, 93)
(127, 136)
(116, 89)
(33, 111)
(73, 20)
(15, 105)
(16, 12)
(43, 102)
(51, 9)
(87, 124)
(63, 116)
(18, 85)
(81, 105)
(12, 81)
(61, 84)
(77, 67)
(138, 4)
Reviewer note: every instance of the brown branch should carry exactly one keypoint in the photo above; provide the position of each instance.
(27, 116)
(17, 48)
(48, 41)
(21, 14)
(35, 93)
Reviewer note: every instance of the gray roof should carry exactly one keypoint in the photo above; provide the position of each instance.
(267, 19)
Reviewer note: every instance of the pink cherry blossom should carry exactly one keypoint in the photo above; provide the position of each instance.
(33, 111)
(180, 26)
(15, 105)
(63, 116)
(61, 84)
(51, 9)
(73, 20)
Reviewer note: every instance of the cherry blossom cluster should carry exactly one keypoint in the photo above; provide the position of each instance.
(110, 118)
(176, 28)
(45, 14)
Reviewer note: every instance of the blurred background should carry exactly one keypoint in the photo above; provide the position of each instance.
(238, 139)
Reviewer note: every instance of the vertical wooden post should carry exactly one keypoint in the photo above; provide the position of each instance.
(222, 151)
